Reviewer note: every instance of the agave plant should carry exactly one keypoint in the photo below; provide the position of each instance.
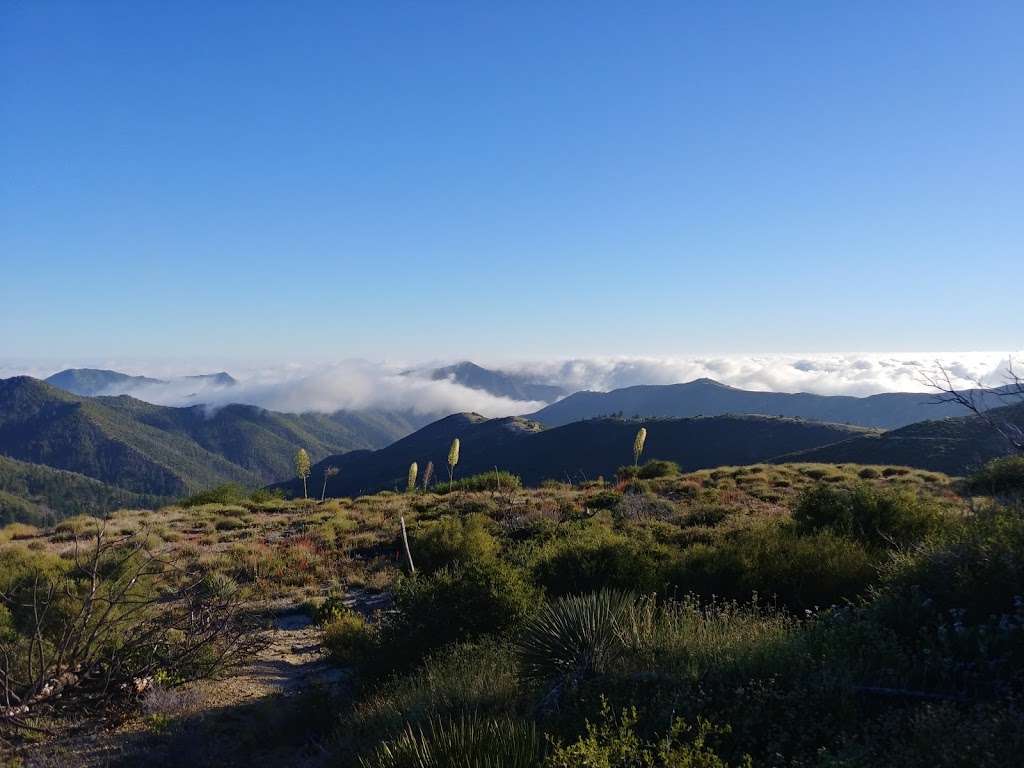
(575, 636)
(468, 742)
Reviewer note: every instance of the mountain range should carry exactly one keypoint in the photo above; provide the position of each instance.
(97, 381)
(706, 397)
(164, 451)
(574, 452)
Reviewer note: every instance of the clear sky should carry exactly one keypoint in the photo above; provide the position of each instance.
(445, 179)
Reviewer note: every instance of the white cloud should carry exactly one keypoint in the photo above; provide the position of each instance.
(361, 385)
(847, 374)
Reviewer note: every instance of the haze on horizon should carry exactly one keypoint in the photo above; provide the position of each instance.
(321, 182)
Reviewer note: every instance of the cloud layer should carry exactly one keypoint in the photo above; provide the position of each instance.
(362, 385)
(825, 374)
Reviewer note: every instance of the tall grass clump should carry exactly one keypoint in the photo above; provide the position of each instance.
(466, 742)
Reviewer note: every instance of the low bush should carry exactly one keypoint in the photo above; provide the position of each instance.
(455, 603)
(873, 515)
(228, 493)
(348, 638)
(604, 499)
(650, 470)
(452, 540)
(485, 481)
(18, 531)
(999, 477)
(616, 741)
(593, 557)
(776, 563)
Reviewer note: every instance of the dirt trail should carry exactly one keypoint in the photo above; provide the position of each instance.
(257, 712)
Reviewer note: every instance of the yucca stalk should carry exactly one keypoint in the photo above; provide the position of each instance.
(410, 485)
(428, 475)
(638, 444)
(405, 547)
(328, 473)
(302, 469)
(453, 459)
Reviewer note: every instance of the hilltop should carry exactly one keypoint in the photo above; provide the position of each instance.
(818, 595)
(579, 451)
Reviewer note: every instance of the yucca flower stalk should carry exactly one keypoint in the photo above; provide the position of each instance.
(328, 473)
(638, 445)
(428, 475)
(453, 459)
(414, 469)
(302, 469)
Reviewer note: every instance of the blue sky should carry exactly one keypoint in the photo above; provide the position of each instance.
(443, 180)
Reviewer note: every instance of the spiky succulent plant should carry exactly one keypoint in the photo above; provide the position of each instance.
(471, 741)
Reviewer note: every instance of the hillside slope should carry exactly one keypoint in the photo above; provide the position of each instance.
(37, 494)
(576, 451)
(955, 446)
(157, 450)
(706, 397)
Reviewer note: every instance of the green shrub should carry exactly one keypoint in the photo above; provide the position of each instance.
(874, 515)
(485, 481)
(603, 500)
(657, 468)
(228, 493)
(455, 603)
(348, 638)
(615, 741)
(453, 540)
(999, 477)
(774, 562)
(265, 495)
(594, 558)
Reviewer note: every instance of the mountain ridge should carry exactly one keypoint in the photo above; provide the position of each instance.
(168, 451)
(707, 397)
(581, 450)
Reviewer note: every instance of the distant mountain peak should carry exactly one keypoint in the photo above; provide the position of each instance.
(95, 381)
(513, 386)
(221, 378)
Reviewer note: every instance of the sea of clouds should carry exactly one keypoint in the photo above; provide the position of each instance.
(365, 385)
